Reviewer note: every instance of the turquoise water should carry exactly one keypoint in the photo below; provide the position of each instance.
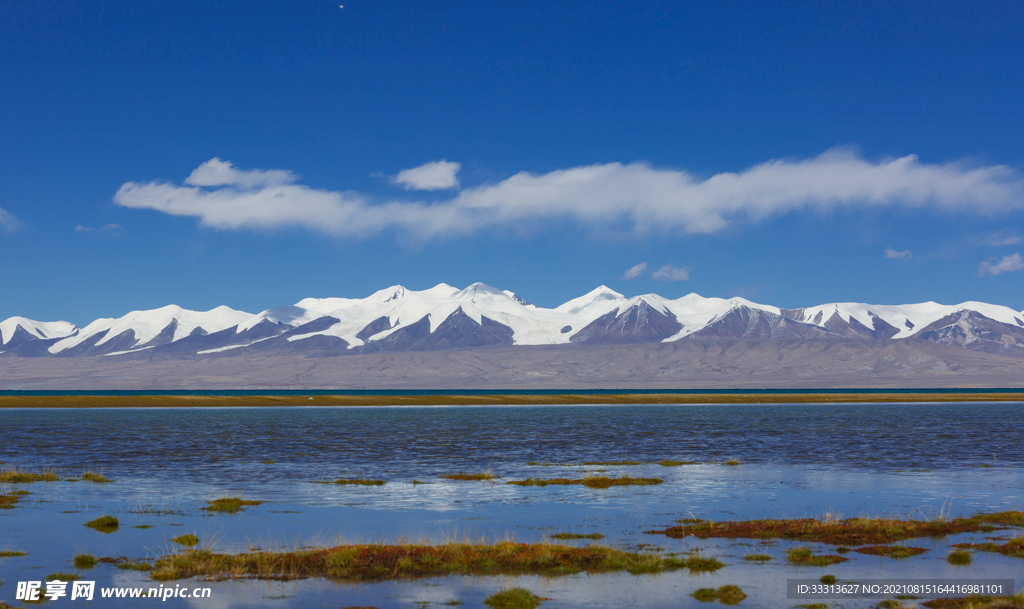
(907, 460)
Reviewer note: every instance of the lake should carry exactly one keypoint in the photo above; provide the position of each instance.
(912, 461)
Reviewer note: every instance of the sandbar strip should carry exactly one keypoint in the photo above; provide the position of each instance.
(496, 399)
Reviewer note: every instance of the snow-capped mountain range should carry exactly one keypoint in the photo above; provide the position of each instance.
(445, 317)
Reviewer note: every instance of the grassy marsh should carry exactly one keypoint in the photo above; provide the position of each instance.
(959, 558)
(483, 476)
(372, 562)
(727, 595)
(355, 481)
(897, 552)
(566, 536)
(852, 531)
(805, 558)
(7, 502)
(94, 477)
(189, 540)
(15, 476)
(514, 598)
(85, 561)
(229, 505)
(589, 482)
(135, 566)
(1014, 547)
(104, 524)
(11, 553)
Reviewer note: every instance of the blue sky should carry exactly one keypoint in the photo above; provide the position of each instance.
(772, 150)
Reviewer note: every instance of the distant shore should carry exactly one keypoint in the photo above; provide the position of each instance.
(495, 399)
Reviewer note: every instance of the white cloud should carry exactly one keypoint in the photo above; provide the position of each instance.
(438, 175)
(635, 271)
(110, 228)
(891, 253)
(7, 221)
(1001, 239)
(216, 172)
(670, 273)
(635, 196)
(1008, 264)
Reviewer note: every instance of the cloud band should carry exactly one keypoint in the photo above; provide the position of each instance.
(636, 196)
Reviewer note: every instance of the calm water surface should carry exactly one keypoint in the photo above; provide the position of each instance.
(910, 460)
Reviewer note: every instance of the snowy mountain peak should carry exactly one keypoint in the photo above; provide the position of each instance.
(138, 328)
(601, 298)
(518, 299)
(41, 330)
(481, 289)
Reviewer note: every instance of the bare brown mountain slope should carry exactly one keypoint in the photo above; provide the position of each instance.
(693, 363)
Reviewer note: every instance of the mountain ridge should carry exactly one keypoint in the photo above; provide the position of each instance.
(444, 317)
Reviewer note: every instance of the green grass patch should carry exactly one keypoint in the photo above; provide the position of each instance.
(229, 505)
(514, 598)
(578, 536)
(805, 558)
(361, 482)
(610, 463)
(135, 566)
(589, 482)
(189, 540)
(959, 558)
(828, 580)
(372, 562)
(703, 564)
(852, 531)
(14, 476)
(85, 561)
(268, 462)
(757, 557)
(670, 463)
(727, 595)
(7, 502)
(104, 524)
(67, 577)
(730, 595)
(483, 476)
(732, 462)
(94, 477)
(897, 552)
(11, 553)
(1014, 547)
(1013, 518)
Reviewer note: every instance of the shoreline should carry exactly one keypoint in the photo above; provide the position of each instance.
(495, 399)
